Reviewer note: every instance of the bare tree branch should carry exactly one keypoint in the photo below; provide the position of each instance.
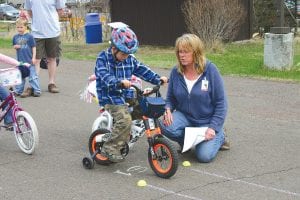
(213, 20)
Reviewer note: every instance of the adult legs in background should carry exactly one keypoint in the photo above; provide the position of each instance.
(51, 70)
(50, 48)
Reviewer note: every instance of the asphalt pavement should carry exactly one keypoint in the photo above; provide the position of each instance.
(263, 127)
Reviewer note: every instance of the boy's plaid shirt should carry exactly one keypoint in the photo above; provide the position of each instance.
(109, 73)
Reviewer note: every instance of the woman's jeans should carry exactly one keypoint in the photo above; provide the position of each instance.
(205, 151)
(33, 82)
(4, 93)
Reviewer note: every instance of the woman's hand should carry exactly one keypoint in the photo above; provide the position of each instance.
(210, 134)
(168, 118)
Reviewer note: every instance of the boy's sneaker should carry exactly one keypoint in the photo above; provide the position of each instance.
(27, 93)
(36, 94)
(53, 88)
(9, 126)
(112, 157)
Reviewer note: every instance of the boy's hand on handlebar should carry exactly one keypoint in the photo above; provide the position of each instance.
(164, 79)
(126, 83)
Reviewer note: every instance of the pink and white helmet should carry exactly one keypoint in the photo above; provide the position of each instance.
(125, 40)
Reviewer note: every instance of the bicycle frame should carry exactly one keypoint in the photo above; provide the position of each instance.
(106, 117)
(150, 126)
(10, 103)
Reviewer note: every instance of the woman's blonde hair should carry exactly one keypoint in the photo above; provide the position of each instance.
(191, 42)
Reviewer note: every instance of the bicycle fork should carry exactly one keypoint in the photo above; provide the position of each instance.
(152, 131)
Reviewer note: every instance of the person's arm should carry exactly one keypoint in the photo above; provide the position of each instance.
(144, 72)
(27, 7)
(170, 101)
(15, 45)
(34, 55)
(170, 98)
(103, 74)
(218, 100)
(60, 5)
(11, 61)
(60, 12)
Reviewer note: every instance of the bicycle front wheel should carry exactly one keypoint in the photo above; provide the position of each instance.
(164, 162)
(26, 132)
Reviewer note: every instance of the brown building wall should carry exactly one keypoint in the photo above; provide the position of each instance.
(160, 22)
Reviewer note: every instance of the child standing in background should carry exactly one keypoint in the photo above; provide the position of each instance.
(25, 46)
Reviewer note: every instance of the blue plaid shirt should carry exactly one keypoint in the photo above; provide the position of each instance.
(109, 73)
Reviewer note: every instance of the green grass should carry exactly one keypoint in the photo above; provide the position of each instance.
(247, 60)
(5, 43)
(240, 59)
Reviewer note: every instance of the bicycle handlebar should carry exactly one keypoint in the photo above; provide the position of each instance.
(140, 92)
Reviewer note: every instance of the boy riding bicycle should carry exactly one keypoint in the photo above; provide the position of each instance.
(113, 70)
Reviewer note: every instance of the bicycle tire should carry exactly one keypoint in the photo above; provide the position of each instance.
(165, 154)
(26, 132)
(93, 146)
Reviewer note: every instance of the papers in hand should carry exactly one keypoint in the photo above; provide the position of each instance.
(193, 136)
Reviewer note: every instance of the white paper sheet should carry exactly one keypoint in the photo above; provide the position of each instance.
(117, 24)
(193, 136)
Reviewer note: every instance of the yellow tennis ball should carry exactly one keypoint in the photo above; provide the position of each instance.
(141, 183)
(186, 163)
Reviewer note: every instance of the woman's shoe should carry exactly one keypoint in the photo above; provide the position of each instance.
(225, 146)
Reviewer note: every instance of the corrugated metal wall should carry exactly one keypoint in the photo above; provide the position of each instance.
(159, 22)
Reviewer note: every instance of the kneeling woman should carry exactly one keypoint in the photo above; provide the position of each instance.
(195, 98)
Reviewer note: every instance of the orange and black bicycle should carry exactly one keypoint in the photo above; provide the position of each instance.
(162, 155)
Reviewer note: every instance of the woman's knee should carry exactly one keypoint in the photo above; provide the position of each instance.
(169, 131)
(204, 158)
(205, 155)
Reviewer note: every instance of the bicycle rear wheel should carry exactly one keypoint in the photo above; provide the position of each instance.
(26, 132)
(94, 146)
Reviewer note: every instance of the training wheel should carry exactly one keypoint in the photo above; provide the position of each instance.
(87, 163)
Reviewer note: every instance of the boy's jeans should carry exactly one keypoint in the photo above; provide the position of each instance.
(4, 93)
(205, 151)
(33, 82)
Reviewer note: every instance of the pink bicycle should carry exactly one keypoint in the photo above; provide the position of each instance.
(23, 125)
